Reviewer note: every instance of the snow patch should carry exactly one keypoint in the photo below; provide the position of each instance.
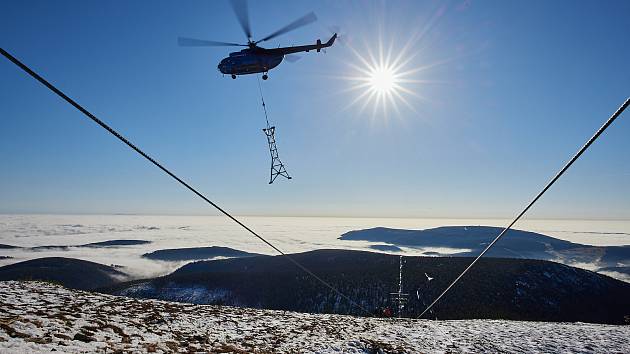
(39, 317)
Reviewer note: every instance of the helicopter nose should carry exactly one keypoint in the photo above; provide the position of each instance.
(223, 67)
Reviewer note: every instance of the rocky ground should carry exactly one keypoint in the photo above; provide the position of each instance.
(41, 317)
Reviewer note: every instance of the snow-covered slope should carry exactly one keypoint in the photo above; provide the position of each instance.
(39, 317)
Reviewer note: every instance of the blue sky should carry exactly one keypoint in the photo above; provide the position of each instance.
(507, 92)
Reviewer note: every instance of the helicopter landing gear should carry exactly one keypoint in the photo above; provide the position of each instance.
(265, 77)
(233, 76)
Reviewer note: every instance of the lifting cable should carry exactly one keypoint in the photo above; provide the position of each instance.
(157, 164)
(262, 98)
(553, 180)
(277, 167)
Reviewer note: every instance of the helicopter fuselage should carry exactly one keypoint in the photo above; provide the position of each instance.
(256, 59)
(250, 61)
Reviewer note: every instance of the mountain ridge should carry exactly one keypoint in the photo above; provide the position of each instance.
(496, 288)
(514, 244)
(70, 272)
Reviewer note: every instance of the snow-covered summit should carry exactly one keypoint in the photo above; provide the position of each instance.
(40, 317)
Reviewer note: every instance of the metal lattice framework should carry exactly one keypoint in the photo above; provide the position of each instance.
(277, 167)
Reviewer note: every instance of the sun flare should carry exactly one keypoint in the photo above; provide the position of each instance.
(388, 74)
(382, 79)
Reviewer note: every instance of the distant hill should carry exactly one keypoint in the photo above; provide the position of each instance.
(69, 272)
(109, 243)
(515, 244)
(102, 244)
(115, 243)
(495, 289)
(196, 253)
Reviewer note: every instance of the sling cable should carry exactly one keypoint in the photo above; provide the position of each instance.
(277, 167)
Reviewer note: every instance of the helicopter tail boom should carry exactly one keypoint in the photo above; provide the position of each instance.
(304, 48)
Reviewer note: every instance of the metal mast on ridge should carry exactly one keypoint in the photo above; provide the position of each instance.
(399, 298)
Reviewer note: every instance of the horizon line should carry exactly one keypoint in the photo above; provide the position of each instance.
(591, 218)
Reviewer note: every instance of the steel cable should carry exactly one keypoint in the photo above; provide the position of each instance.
(549, 184)
(164, 169)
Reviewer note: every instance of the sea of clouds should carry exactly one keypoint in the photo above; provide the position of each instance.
(290, 234)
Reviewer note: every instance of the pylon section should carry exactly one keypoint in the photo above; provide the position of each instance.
(277, 167)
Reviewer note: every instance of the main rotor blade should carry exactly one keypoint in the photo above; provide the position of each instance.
(302, 21)
(192, 42)
(242, 14)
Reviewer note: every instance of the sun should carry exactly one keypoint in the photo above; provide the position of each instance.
(387, 66)
(382, 80)
(389, 74)
(381, 83)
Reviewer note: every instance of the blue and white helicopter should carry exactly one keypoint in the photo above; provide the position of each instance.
(255, 59)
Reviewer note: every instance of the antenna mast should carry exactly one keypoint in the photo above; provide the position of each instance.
(399, 297)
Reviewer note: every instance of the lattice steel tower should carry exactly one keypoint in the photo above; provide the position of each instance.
(277, 167)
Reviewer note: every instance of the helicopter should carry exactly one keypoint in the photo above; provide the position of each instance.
(255, 59)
